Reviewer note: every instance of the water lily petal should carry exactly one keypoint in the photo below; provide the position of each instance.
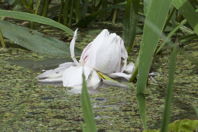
(124, 56)
(115, 84)
(129, 68)
(109, 55)
(54, 75)
(93, 80)
(88, 55)
(72, 47)
(51, 80)
(72, 77)
(120, 75)
(106, 53)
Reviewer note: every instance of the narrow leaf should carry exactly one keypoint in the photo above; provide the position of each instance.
(33, 40)
(169, 92)
(174, 30)
(187, 10)
(130, 22)
(89, 122)
(34, 18)
(147, 4)
(154, 23)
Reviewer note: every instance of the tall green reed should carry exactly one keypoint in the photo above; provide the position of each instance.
(45, 7)
(188, 11)
(174, 30)
(89, 124)
(130, 22)
(155, 20)
(169, 91)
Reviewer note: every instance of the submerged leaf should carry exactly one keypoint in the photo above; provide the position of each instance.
(35, 18)
(33, 40)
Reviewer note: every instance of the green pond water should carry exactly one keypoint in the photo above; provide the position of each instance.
(26, 105)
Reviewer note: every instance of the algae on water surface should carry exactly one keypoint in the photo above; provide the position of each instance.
(27, 105)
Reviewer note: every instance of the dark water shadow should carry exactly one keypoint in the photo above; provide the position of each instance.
(38, 65)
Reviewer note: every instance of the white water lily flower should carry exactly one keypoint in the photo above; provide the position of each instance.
(106, 53)
(70, 73)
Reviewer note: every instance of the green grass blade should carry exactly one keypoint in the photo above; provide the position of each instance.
(2, 40)
(169, 92)
(155, 20)
(34, 40)
(147, 4)
(187, 10)
(89, 124)
(35, 18)
(170, 35)
(130, 22)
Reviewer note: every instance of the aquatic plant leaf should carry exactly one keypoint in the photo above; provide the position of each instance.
(38, 65)
(154, 23)
(169, 91)
(89, 124)
(183, 126)
(187, 10)
(34, 40)
(174, 30)
(35, 18)
(146, 5)
(130, 22)
(87, 19)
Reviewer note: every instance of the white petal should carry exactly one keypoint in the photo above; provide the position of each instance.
(89, 53)
(129, 68)
(120, 75)
(115, 84)
(106, 53)
(54, 75)
(51, 80)
(72, 46)
(124, 55)
(93, 80)
(108, 56)
(72, 77)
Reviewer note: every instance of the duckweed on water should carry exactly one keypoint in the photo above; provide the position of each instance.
(27, 105)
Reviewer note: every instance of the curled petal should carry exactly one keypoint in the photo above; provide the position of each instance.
(120, 75)
(54, 75)
(129, 68)
(115, 84)
(72, 46)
